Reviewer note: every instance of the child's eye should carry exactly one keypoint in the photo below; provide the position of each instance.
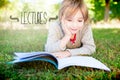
(79, 20)
(69, 20)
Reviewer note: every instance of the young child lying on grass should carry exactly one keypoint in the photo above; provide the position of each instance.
(71, 35)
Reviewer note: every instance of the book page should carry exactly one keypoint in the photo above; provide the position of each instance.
(19, 55)
(33, 56)
(84, 61)
(34, 59)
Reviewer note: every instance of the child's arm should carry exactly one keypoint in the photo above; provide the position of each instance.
(88, 46)
(55, 38)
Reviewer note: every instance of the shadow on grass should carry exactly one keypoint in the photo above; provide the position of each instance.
(45, 66)
(38, 65)
(41, 69)
(2, 76)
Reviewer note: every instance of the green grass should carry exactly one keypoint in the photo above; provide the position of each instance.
(108, 51)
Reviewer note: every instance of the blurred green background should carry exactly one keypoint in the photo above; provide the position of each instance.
(98, 9)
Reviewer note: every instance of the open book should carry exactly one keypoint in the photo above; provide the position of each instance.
(85, 61)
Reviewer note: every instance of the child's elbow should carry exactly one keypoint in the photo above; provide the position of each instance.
(47, 48)
(93, 50)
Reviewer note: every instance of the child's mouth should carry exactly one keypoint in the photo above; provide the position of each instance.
(74, 29)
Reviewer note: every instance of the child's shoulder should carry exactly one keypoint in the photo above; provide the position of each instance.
(54, 23)
(86, 28)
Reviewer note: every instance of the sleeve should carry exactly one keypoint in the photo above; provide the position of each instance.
(53, 39)
(88, 45)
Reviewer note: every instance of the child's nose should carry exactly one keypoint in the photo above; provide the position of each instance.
(74, 25)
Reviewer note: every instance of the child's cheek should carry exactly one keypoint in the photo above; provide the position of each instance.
(80, 24)
(68, 24)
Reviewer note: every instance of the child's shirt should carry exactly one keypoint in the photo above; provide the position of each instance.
(84, 43)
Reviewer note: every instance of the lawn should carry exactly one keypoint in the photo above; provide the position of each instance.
(108, 52)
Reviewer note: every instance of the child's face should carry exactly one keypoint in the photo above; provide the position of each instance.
(74, 23)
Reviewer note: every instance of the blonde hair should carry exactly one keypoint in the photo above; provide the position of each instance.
(70, 7)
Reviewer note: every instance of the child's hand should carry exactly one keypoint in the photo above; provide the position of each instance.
(63, 54)
(65, 29)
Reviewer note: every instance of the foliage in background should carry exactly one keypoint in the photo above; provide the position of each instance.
(115, 10)
(99, 9)
(3, 3)
(96, 8)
